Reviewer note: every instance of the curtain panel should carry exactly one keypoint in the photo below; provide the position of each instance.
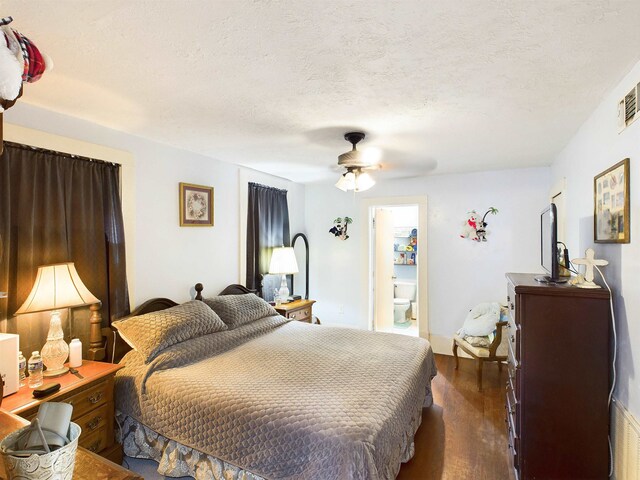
(267, 228)
(56, 207)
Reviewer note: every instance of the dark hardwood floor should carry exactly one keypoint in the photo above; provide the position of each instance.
(463, 434)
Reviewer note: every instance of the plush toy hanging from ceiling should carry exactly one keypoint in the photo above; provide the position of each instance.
(20, 61)
(474, 227)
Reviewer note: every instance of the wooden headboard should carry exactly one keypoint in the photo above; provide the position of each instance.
(155, 305)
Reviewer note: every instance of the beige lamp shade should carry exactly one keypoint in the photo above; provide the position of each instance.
(283, 261)
(57, 286)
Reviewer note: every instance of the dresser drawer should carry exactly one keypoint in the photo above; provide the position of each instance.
(513, 358)
(94, 420)
(513, 337)
(82, 402)
(95, 441)
(513, 455)
(89, 399)
(303, 315)
(513, 381)
(511, 305)
(513, 413)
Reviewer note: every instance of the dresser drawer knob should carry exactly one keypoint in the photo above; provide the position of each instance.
(511, 306)
(95, 398)
(513, 339)
(93, 424)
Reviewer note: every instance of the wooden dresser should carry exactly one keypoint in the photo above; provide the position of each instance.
(558, 384)
(93, 405)
(301, 310)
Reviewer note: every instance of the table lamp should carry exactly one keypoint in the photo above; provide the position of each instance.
(57, 286)
(283, 262)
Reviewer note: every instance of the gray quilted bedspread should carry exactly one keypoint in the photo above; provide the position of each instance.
(287, 400)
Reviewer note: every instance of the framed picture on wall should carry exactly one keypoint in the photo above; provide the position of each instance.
(611, 217)
(196, 205)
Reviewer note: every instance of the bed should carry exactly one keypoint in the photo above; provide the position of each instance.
(270, 398)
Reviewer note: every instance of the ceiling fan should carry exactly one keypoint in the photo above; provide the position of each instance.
(356, 163)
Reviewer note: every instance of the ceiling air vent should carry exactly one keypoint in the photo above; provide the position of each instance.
(628, 108)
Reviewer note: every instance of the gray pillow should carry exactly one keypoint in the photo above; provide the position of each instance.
(151, 333)
(236, 310)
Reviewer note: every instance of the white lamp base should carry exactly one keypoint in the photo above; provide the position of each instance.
(283, 292)
(55, 351)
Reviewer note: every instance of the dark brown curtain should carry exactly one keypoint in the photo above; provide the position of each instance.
(55, 208)
(267, 228)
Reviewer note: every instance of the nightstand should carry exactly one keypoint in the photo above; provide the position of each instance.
(301, 310)
(93, 405)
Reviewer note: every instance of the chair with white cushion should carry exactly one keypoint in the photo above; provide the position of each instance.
(494, 351)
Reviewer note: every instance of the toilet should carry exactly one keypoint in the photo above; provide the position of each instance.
(404, 295)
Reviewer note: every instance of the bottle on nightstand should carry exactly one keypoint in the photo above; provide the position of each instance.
(35, 370)
(22, 369)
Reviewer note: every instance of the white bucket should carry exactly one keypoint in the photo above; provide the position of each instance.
(57, 465)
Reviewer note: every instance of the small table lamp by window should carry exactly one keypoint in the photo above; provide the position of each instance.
(283, 262)
(56, 286)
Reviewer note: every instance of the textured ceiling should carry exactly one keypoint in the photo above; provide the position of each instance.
(440, 86)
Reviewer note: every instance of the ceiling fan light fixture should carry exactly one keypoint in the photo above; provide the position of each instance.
(354, 161)
(350, 157)
(371, 155)
(363, 182)
(342, 183)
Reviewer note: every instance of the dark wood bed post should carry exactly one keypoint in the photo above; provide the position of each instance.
(199, 287)
(97, 344)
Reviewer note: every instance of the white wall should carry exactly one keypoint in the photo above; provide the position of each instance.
(594, 148)
(170, 259)
(462, 273)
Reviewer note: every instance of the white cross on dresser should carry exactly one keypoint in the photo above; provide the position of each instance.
(589, 262)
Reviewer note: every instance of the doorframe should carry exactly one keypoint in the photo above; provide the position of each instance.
(366, 279)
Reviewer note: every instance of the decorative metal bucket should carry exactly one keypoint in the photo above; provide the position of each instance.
(57, 465)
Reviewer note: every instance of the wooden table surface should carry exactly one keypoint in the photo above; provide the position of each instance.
(89, 466)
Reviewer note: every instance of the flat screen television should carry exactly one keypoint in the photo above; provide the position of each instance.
(549, 246)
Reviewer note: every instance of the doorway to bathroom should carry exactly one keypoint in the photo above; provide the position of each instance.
(397, 265)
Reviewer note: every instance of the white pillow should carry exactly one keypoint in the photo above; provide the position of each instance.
(481, 320)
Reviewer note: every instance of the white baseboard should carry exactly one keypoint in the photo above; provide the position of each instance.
(443, 345)
(625, 439)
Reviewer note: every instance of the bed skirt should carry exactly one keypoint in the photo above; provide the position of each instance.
(174, 459)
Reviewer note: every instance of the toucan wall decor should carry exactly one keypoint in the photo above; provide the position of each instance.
(339, 228)
(475, 228)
